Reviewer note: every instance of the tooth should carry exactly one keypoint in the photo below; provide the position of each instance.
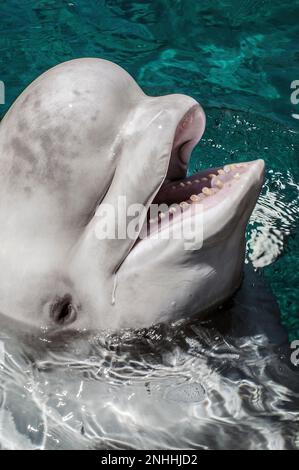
(162, 215)
(172, 210)
(221, 172)
(151, 221)
(189, 182)
(182, 184)
(184, 205)
(194, 198)
(211, 175)
(237, 176)
(196, 181)
(204, 179)
(219, 184)
(227, 169)
(233, 167)
(207, 191)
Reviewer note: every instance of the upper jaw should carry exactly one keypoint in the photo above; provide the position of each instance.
(188, 133)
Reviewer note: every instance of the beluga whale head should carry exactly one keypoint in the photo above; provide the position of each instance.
(100, 227)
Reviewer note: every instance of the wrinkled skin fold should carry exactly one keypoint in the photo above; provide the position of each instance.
(79, 137)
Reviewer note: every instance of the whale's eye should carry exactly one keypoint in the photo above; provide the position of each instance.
(63, 311)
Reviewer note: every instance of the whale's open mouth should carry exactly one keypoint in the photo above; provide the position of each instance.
(202, 187)
(214, 188)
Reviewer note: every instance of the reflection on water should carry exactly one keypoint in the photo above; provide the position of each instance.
(225, 383)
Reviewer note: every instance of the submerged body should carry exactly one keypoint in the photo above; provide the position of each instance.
(79, 138)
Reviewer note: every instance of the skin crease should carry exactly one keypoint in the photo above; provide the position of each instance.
(79, 136)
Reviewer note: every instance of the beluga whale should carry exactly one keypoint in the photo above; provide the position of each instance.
(94, 197)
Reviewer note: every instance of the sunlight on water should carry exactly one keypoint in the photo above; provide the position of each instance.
(215, 385)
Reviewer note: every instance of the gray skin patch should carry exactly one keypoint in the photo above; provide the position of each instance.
(37, 104)
(46, 143)
(53, 146)
(23, 151)
(60, 132)
(26, 99)
(48, 167)
(27, 191)
(56, 174)
(22, 125)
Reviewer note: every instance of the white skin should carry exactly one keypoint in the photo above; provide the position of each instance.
(82, 135)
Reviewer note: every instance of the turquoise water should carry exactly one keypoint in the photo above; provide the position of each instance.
(220, 385)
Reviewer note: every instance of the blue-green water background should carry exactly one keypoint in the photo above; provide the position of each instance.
(237, 58)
